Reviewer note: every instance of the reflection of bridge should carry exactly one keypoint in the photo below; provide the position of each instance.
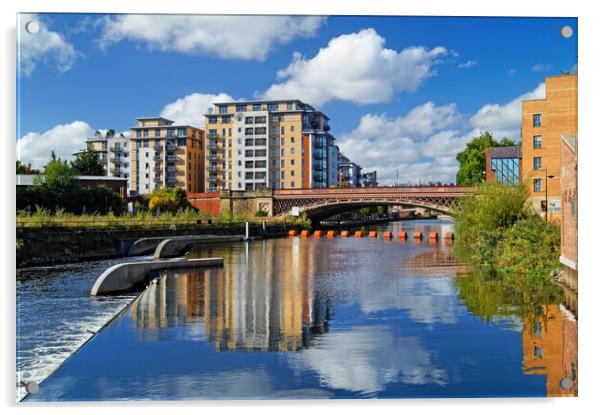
(327, 202)
(320, 203)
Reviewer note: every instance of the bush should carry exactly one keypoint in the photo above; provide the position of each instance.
(167, 200)
(261, 214)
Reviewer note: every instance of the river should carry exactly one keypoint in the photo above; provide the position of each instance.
(310, 318)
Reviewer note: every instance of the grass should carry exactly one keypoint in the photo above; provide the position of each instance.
(44, 218)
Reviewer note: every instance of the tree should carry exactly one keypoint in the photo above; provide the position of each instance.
(26, 168)
(167, 199)
(110, 133)
(472, 158)
(88, 164)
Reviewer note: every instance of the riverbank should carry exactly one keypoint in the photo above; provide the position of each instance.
(62, 245)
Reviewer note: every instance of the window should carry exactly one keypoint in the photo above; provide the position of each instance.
(249, 175)
(292, 139)
(138, 133)
(248, 120)
(249, 131)
(292, 161)
(536, 163)
(536, 120)
(223, 109)
(256, 107)
(241, 107)
(292, 128)
(248, 153)
(212, 133)
(292, 172)
(259, 120)
(538, 353)
(289, 106)
(181, 132)
(181, 141)
(536, 141)
(170, 132)
(213, 120)
(276, 118)
(248, 164)
(260, 130)
(574, 208)
(157, 132)
(292, 184)
(292, 151)
(272, 107)
(249, 142)
(537, 185)
(229, 132)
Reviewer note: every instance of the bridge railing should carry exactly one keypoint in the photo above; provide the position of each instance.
(373, 190)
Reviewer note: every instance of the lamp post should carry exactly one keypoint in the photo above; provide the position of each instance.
(550, 176)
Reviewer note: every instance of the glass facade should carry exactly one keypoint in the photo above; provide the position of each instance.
(506, 170)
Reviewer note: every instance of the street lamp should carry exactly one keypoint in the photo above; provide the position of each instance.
(551, 176)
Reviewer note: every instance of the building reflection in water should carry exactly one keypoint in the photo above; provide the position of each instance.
(268, 305)
(550, 349)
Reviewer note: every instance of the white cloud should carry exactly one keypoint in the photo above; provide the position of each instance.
(35, 148)
(407, 144)
(355, 67)
(504, 120)
(421, 145)
(511, 72)
(190, 109)
(43, 47)
(542, 67)
(368, 358)
(239, 37)
(467, 64)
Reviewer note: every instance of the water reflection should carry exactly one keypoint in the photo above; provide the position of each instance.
(340, 317)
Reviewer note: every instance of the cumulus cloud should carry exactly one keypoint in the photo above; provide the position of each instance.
(233, 37)
(43, 47)
(35, 148)
(421, 145)
(355, 67)
(408, 144)
(190, 109)
(467, 64)
(504, 120)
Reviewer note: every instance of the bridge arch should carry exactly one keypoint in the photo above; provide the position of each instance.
(327, 208)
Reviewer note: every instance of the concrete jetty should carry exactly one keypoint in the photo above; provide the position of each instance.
(173, 247)
(145, 246)
(132, 276)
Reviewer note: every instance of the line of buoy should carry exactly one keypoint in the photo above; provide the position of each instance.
(292, 232)
(317, 234)
(345, 234)
(359, 234)
(388, 235)
(417, 235)
(433, 236)
(331, 234)
(373, 234)
(403, 235)
(305, 234)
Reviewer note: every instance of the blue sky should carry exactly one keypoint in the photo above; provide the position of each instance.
(403, 93)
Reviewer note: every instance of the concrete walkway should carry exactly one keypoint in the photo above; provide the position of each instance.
(145, 246)
(133, 276)
(173, 247)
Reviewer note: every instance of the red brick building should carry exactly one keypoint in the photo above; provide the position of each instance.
(568, 209)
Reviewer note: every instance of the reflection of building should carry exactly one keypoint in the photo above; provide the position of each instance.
(502, 164)
(550, 349)
(568, 209)
(266, 304)
(544, 121)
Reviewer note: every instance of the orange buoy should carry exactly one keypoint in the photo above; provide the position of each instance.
(433, 235)
(403, 235)
(345, 234)
(388, 235)
(417, 235)
(359, 234)
(373, 234)
(317, 234)
(292, 232)
(305, 233)
(331, 234)
(450, 236)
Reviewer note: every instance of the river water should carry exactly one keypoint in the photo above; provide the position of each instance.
(315, 318)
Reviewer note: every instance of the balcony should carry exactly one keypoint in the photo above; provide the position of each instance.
(158, 180)
(116, 171)
(158, 147)
(171, 169)
(170, 147)
(171, 157)
(158, 169)
(115, 159)
(115, 149)
(158, 157)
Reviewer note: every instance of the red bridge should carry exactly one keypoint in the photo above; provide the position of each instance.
(320, 203)
(325, 202)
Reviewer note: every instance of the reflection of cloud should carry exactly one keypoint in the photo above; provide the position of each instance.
(367, 358)
(427, 300)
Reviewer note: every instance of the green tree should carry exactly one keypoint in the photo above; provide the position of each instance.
(88, 164)
(167, 199)
(472, 158)
(26, 168)
(110, 133)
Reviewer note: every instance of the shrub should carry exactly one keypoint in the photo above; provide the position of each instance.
(261, 214)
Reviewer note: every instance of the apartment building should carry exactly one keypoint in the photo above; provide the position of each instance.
(113, 153)
(568, 209)
(350, 173)
(369, 179)
(544, 122)
(257, 145)
(164, 154)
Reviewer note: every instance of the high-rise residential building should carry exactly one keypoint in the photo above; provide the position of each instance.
(256, 145)
(350, 173)
(503, 165)
(544, 122)
(113, 153)
(164, 154)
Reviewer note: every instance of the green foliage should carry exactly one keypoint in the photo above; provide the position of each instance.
(261, 214)
(498, 233)
(26, 168)
(88, 164)
(472, 159)
(167, 199)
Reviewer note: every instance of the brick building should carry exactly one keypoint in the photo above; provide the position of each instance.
(568, 209)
